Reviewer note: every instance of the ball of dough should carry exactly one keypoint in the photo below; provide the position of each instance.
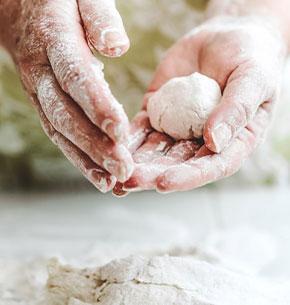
(181, 107)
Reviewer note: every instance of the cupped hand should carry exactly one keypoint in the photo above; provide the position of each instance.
(245, 56)
(51, 43)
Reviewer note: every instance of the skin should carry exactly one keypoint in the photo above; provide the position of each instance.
(242, 49)
(245, 55)
(51, 43)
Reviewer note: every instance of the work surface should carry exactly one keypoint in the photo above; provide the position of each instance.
(92, 225)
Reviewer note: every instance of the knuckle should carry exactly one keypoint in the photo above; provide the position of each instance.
(70, 75)
(243, 113)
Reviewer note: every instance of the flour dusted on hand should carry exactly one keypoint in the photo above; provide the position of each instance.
(181, 107)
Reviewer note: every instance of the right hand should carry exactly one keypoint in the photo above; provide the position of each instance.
(48, 41)
(245, 56)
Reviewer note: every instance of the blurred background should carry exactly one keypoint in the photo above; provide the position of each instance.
(48, 209)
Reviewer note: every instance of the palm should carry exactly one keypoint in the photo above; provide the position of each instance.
(249, 87)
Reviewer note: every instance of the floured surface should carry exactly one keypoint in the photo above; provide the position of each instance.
(160, 281)
(245, 233)
(211, 272)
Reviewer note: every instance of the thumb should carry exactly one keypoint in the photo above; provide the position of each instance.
(246, 90)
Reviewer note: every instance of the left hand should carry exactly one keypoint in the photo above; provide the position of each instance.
(245, 56)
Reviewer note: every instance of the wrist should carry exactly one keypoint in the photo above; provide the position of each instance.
(274, 13)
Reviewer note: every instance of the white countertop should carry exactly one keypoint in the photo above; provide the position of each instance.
(70, 225)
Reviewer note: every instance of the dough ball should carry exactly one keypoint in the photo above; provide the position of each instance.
(181, 107)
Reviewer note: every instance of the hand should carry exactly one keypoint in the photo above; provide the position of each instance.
(48, 41)
(245, 56)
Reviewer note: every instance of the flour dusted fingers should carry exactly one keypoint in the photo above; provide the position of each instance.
(104, 27)
(100, 178)
(69, 120)
(205, 169)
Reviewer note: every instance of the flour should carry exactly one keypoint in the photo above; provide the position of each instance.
(181, 107)
(195, 275)
(159, 281)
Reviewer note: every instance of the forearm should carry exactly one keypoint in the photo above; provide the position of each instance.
(276, 11)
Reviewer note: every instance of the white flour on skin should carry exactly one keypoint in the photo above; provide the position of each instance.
(102, 180)
(56, 34)
(115, 46)
(181, 107)
(159, 281)
(104, 27)
(66, 118)
(81, 76)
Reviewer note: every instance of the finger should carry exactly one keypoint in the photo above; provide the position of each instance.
(101, 179)
(198, 172)
(146, 174)
(183, 150)
(203, 151)
(154, 162)
(155, 147)
(69, 120)
(140, 128)
(118, 190)
(80, 75)
(246, 90)
(104, 27)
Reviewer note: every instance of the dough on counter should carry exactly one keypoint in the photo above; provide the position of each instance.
(163, 280)
(181, 106)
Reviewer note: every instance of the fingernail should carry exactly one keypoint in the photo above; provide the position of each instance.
(105, 125)
(126, 170)
(113, 182)
(161, 185)
(113, 43)
(110, 165)
(123, 171)
(118, 190)
(126, 166)
(131, 185)
(118, 131)
(103, 184)
(221, 136)
(121, 194)
(112, 38)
